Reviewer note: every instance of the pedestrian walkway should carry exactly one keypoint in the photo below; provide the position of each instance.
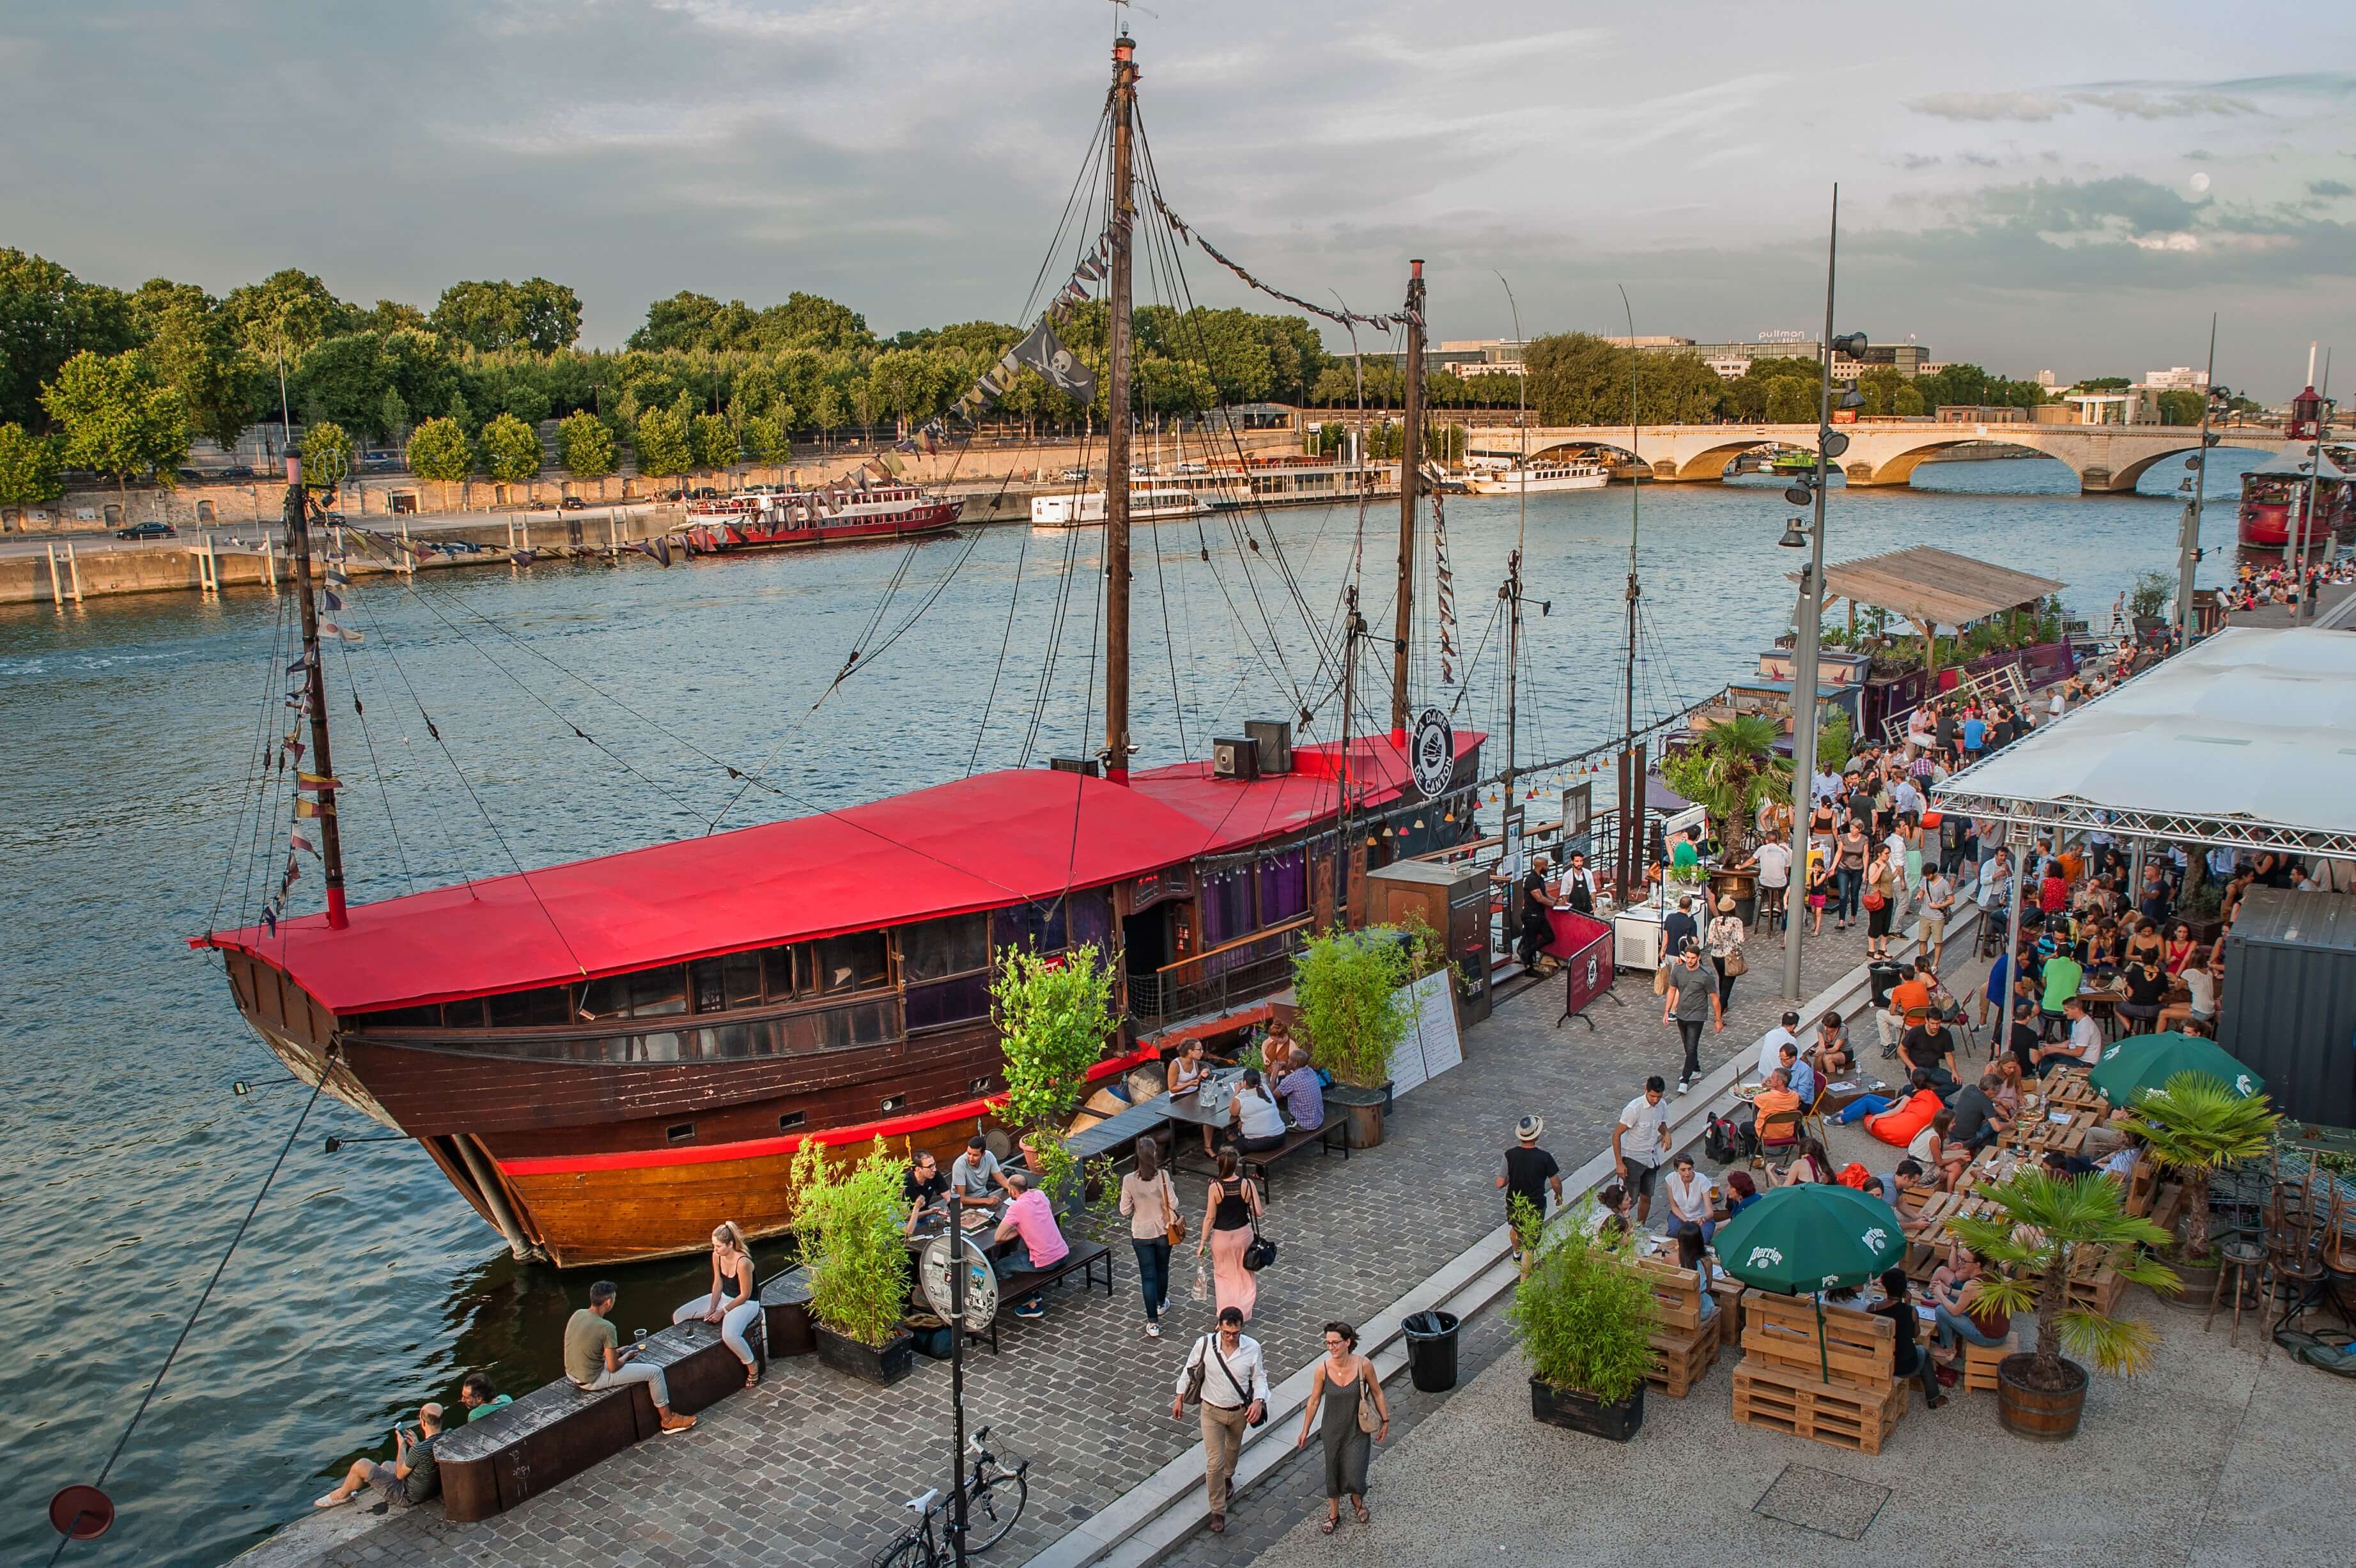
(812, 1468)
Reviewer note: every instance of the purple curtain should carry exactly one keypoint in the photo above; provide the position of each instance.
(1226, 904)
(1283, 887)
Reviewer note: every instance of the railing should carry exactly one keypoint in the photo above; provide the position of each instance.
(1235, 971)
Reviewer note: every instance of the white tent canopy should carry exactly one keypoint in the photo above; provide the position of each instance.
(2247, 739)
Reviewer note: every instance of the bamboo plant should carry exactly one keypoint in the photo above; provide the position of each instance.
(2047, 1222)
(848, 1218)
(2196, 1126)
(1348, 983)
(1582, 1314)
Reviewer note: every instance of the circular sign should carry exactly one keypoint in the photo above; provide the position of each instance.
(81, 1513)
(1433, 753)
(981, 1283)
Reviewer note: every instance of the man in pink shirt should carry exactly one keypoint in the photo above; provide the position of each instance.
(1032, 1218)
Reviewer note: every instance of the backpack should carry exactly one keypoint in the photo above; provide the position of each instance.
(1722, 1141)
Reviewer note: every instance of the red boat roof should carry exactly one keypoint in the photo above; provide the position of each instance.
(993, 840)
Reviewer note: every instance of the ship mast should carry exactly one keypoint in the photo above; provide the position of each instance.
(314, 691)
(1118, 349)
(1411, 483)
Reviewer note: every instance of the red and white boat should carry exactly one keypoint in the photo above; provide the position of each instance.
(2276, 494)
(766, 521)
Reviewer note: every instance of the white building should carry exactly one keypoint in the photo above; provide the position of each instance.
(2176, 378)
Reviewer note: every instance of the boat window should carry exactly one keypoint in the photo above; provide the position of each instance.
(428, 1017)
(533, 1009)
(854, 961)
(1091, 919)
(731, 981)
(785, 973)
(954, 1001)
(658, 992)
(938, 949)
(462, 1014)
(1039, 927)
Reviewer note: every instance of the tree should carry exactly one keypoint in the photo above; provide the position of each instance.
(849, 1219)
(2046, 1221)
(767, 437)
(392, 416)
(28, 468)
(285, 313)
(47, 317)
(826, 411)
(585, 447)
(2180, 407)
(534, 315)
(1790, 401)
(439, 450)
(327, 456)
(458, 412)
(189, 340)
(117, 417)
(510, 449)
(2197, 1126)
(391, 316)
(714, 440)
(1053, 1013)
(662, 444)
(1907, 403)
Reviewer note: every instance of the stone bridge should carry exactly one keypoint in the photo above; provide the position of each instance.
(2107, 458)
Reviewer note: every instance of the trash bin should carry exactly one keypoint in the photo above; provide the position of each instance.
(1885, 976)
(1431, 1350)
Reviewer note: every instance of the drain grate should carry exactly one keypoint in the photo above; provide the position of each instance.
(1823, 1502)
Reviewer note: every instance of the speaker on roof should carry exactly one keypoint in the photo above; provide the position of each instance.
(1234, 758)
(1274, 737)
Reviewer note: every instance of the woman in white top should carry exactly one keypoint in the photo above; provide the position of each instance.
(1723, 936)
(1258, 1124)
(1147, 1198)
(1688, 1193)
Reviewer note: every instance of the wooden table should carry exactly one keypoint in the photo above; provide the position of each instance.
(2047, 1135)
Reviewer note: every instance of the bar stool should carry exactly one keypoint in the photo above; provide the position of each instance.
(2244, 1263)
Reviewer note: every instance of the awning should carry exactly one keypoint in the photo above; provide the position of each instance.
(2294, 461)
(1932, 586)
(2248, 740)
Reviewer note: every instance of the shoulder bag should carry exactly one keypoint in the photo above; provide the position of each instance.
(1259, 1252)
(1177, 1232)
(1736, 963)
(1196, 1369)
(1370, 1420)
(1241, 1393)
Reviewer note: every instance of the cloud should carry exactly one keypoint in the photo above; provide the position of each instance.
(2035, 108)
(2333, 188)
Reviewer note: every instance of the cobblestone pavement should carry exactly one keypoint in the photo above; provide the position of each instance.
(812, 1468)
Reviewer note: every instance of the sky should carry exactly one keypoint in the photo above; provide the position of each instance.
(2073, 187)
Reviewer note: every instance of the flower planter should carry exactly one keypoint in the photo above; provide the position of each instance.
(2036, 1413)
(884, 1364)
(1568, 1408)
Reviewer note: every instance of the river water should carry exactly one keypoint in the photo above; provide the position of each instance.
(364, 1284)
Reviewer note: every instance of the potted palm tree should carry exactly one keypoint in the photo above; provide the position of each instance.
(1353, 1017)
(848, 1218)
(2197, 1126)
(2045, 1223)
(1585, 1318)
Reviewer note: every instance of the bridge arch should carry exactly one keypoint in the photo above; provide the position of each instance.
(1899, 467)
(1618, 455)
(2126, 478)
(1710, 463)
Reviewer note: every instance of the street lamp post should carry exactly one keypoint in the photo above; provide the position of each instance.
(2188, 546)
(1830, 445)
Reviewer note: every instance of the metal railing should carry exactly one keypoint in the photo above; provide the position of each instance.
(1237, 971)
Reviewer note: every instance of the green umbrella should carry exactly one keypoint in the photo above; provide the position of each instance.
(2142, 1062)
(1816, 1236)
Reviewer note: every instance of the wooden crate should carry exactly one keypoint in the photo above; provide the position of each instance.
(1846, 1417)
(1729, 1293)
(1780, 1332)
(1676, 1294)
(1684, 1346)
(1980, 1362)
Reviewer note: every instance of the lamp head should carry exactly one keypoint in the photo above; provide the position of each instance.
(1795, 537)
(1800, 494)
(1851, 344)
(1852, 399)
(1835, 443)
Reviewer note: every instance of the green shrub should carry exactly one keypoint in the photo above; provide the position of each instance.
(1053, 1014)
(848, 1218)
(1351, 1011)
(1582, 1315)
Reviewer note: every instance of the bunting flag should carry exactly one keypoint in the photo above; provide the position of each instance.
(1446, 580)
(1038, 349)
(299, 842)
(1041, 350)
(524, 557)
(336, 577)
(308, 807)
(299, 665)
(658, 547)
(321, 783)
(329, 629)
(328, 595)
(270, 918)
(1391, 322)
(291, 754)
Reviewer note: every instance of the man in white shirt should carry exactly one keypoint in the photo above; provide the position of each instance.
(1235, 1394)
(1772, 1044)
(2083, 1047)
(1824, 786)
(1995, 882)
(2054, 709)
(1640, 1142)
(1773, 858)
(1904, 798)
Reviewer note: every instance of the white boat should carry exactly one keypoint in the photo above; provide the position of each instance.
(1146, 502)
(1545, 473)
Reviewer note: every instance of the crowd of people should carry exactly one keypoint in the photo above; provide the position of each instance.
(2277, 587)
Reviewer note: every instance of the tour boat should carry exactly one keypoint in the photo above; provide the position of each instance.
(767, 521)
(2273, 499)
(1537, 477)
(606, 1058)
(1146, 502)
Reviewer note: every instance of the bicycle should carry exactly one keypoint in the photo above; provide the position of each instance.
(995, 1494)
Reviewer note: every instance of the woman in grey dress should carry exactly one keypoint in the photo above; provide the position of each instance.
(1349, 1379)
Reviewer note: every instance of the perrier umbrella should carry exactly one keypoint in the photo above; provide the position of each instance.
(2142, 1062)
(1816, 1236)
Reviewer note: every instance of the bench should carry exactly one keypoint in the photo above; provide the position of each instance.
(1087, 1259)
(557, 1430)
(1333, 1134)
(1826, 1379)
(784, 1313)
(1118, 1131)
(1980, 1362)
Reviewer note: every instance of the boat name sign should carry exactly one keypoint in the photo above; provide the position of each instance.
(1433, 753)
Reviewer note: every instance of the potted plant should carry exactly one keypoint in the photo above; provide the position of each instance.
(2196, 1126)
(848, 1218)
(1354, 1017)
(1585, 1318)
(2202, 910)
(2046, 1222)
(1053, 1013)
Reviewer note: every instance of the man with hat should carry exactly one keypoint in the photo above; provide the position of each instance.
(1529, 1171)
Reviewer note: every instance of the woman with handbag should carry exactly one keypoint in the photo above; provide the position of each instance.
(1724, 939)
(1154, 1227)
(1357, 1418)
(1229, 1218)
(1880, 898)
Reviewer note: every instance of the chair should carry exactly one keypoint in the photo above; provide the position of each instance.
(1781, 1131)
(2244, 1264)
(1812, 1115)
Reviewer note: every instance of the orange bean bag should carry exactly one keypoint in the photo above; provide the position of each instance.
(1898, 1125)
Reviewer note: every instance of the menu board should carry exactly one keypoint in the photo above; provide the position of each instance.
(1431, 1043)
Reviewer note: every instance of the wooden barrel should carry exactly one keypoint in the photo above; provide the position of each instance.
(2033, 1412)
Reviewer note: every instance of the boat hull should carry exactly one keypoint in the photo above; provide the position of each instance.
(1483, 487)
(734, 536)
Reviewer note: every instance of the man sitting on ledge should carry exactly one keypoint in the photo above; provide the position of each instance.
(411, 1477)
(593, 1361)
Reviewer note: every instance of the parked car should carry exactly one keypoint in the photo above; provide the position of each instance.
(148, 530)
(187, 475)
(706, 493)
(379, 462)
(1074, 475)
(237, 471)
(572, 503)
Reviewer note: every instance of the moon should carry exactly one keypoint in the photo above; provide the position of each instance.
(2199, 183)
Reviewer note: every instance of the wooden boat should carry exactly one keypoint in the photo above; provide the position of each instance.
(606, 1058)
(2275, 497)
(797, 519)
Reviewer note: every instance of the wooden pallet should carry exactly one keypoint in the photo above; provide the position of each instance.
(1856, 1419)
(1676, 1294)
(1680, 1360)
(1781, 1333)
(1980, 1362)
(1729, 1293)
